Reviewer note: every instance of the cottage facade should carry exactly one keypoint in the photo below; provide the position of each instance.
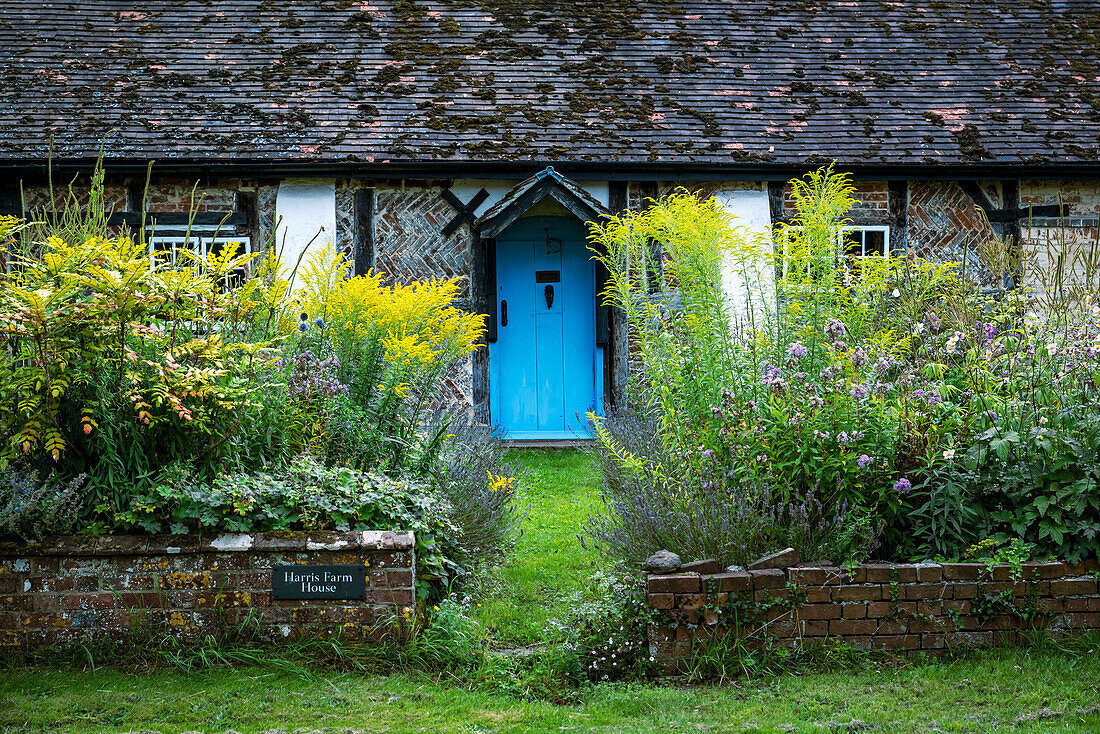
(464, 138)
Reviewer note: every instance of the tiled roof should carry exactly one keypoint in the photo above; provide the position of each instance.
(699, 82)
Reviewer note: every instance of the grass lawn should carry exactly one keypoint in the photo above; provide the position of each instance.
(995, 691)
(550, 563)
(1017, 690)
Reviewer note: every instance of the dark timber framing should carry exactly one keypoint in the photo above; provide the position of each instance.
(364, 231)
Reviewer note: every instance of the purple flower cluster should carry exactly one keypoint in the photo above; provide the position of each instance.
(988, 331)
(903, 485)
(796, 350)
(864, 461)
(835, 329)
(929, 396)
(773, 377)
(312, 378)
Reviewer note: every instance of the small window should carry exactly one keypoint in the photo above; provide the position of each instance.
(166, 248)
(866, 241)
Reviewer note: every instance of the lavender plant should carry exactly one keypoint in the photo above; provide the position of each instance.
(32, 508)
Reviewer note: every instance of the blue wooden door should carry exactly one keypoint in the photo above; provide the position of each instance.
(544, 376)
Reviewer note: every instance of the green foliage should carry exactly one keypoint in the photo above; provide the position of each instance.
(945, 412)
(605, 628)
(302, 495)
(31, 508)
(390, 346)
(112, 365)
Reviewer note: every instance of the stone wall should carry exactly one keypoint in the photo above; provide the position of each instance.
(900, 607)
(72, 590)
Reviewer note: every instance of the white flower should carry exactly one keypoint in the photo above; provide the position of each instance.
(1031, 319)
(896, 293)
(949, 454)
(1052, 349)
(1043, 420)
(918, 328)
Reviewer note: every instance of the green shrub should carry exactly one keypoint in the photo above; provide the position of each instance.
(303, 495)
(889, 388)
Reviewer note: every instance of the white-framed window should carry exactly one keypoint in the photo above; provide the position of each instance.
(865, 240)
(203, 241)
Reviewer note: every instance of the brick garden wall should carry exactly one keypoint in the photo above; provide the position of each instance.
(80, 589)
(899, 607)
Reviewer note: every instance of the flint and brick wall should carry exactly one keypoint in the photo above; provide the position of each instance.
(900, 607)
(72, 590)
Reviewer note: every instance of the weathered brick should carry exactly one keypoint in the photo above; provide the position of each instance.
(964, 571)
(927, 591)
(768, 578)
(1047, 605)
(964, 590)
(870, 592)
(879, 609)
(690, 601)
(806, 576)
(932, 641)
(399, 578)
(1073, 587)
(970, 638)
(677, 583)
(400, 597)
(896, 642)
(732, 581)
(88, 601)
(853, 611)
(844, 627)
(856, 642)
(819, 595)
(40, 584)
(226, 562)
(815, 627)
(928, 573)
(878, 573)
(706, 566)
(819, 611)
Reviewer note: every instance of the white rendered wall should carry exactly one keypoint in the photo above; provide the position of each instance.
(749, 280)
(305, 210)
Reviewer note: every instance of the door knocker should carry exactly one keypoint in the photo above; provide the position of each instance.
(553, 244)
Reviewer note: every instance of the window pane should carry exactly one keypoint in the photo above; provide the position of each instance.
(853, 242)
(874, 242)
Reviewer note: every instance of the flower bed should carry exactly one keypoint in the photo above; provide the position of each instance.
(71, 590)
(928, 607)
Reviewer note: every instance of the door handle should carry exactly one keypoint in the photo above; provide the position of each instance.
(548, 292)
(504, 313)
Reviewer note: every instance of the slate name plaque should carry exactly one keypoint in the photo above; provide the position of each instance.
(319, 582)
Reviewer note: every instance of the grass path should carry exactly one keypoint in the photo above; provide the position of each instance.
(550, 564)
(1017, 692)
